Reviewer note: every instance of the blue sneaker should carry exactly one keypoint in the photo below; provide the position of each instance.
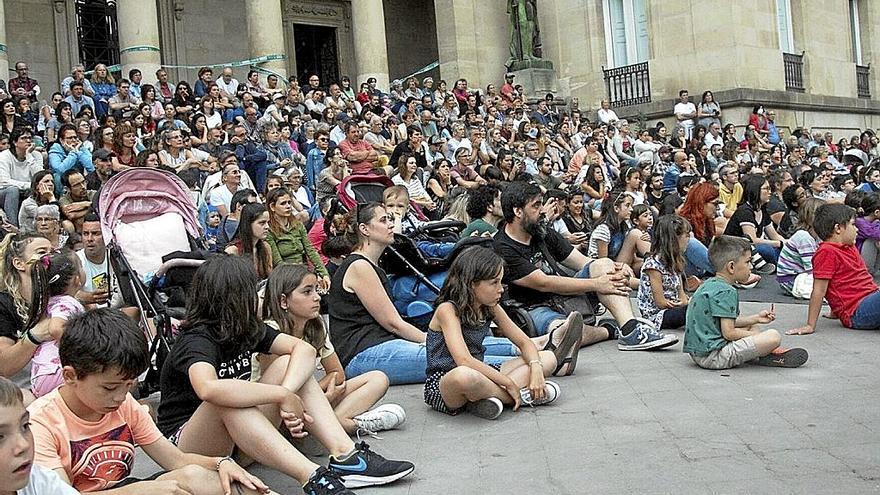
(364, 467)
(645, 337)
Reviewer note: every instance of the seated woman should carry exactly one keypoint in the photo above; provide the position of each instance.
(209, 405)
(288, 238)
(42, 193)
(250, 238)
(751, 221)
(292, 306)
(407, 176)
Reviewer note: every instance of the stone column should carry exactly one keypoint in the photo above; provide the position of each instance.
(370, 50)
(4, 57)
(138, 23)
(266, 34)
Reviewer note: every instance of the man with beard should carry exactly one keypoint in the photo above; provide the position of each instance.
(99, 286)
(77, 199)
(533, 254)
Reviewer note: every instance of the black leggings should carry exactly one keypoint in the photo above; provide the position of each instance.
(673, 318)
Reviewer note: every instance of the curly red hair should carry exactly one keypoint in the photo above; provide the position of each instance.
(693, 207)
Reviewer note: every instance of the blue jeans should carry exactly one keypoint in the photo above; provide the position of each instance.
(543, 316)
(9, 197)
(405, 362)
(258, 172)
(696, 256)
(768, 252)
(867, 315)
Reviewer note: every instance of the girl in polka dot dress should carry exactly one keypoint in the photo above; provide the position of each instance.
(458, 377)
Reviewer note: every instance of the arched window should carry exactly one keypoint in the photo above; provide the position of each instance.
(97, 32)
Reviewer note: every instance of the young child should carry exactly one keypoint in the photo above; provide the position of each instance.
(839, 273)
(794, 270)
(637, 243)
(212, 230)
(458, 377)
(716, 336)
(868, 227)
(661, 297)
(56, 278)
(396, 200)
(292, 305)
(210, 405)
(92, 419)
(18, 474)
(608, 235)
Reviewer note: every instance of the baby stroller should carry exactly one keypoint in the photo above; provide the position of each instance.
(368, 188)
(154, 243)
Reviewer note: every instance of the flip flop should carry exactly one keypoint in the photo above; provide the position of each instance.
(566, 351)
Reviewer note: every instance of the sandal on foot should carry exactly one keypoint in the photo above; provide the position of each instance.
(566, 351)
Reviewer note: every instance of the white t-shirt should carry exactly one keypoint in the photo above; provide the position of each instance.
(44, 481)
(100, 275)
(683, 109)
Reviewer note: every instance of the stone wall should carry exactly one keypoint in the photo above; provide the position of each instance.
(473, 40)
(411, 36)
(211, 32)
(30, 36)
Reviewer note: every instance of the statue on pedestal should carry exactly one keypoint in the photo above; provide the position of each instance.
(525, 36)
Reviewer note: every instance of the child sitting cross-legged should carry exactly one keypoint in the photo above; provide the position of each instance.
(840, 275)
(661, 297)
(460, 375)
(716, 336)
(88, 429)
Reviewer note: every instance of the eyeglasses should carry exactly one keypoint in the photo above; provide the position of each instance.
(323, 140)
(45, 219)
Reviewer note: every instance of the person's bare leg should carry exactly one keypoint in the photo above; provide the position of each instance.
(463, 385)
(325, 427)
(213, 431)
(767, 341)
(619, 306)
(200, 481)
(518, 370)
(362, 392)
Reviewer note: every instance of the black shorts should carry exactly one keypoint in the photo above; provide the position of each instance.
(131, 480)
(434, 399)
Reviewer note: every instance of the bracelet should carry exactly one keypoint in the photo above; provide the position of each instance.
(221, 461)
(30, 336)
(534, 361)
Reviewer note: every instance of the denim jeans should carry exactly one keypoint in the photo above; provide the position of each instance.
(867, 315)
(768, 252)
(9, 197)
(258, 172)
(696, 256)
(543, 316)
(405, 362)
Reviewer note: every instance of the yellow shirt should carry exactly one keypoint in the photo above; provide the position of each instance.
(730, 198)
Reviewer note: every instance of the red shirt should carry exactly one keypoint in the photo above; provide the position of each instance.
(347, 147)
(848, 279)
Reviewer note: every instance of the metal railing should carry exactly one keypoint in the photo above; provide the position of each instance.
(628, 85)
(863, 81)
(794, 71)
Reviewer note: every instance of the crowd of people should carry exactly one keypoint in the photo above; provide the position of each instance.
(290, 328)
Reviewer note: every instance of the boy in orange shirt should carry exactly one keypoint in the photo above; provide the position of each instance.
(87, 429)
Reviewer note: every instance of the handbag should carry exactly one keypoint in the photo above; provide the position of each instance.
(585, 304)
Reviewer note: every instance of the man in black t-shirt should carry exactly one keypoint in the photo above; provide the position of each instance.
(534, 280)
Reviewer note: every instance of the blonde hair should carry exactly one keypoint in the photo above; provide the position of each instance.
(108, 79)
(12, 246)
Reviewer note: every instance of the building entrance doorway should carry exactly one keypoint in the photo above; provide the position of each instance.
(316, 53)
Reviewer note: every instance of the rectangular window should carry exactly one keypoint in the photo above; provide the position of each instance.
(783, 22)
(855, 31)
(626, 32)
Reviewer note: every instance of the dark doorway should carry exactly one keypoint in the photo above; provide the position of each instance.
(97, 33)
(316, 53)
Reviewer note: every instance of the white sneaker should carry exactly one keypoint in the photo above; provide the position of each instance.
(551, 393)
(384, 417)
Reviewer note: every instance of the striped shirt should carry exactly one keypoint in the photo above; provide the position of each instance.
(796, 257)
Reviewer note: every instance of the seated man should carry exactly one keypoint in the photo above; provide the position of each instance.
(484, 209)
(533, 253)
(92, 418)
(76, 200)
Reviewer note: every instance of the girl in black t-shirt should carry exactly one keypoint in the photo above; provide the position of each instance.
(751, 221)
(210, 405)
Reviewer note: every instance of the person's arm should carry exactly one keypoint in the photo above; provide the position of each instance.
(657, 290)
(116, 105)
(14, 356)
(364, 282)
(76, 210)
(272, 239)
(312, 253)
(528, 350)
(450, 327)
(820, 287)
(573, 286)
(61, 160)
(750, 231)
(171, 458)
(732, 332)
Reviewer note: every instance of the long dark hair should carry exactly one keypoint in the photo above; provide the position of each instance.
(590, 179)
(752, 191)
(223, 298)
(471, 265)
(13, 246)
(50, 276)
(250, 245)
(610, 217)
(285, 278)
(664, 242)
(271, 198)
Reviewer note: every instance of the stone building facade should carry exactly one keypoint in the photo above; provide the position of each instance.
(810, 60)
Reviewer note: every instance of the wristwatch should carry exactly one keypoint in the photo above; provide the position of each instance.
(27, 334)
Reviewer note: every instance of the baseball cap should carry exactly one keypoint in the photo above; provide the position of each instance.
(280, 95)
(435, 139)
(101, 154)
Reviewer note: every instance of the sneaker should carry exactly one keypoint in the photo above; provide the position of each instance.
(784, 358)
(766, 269)
(364, 467)
(489, 408)
(612, 327)
(750, 283)
(325, 482)
(384, 417)
(551, 393)
(566, 351)
(645, 337)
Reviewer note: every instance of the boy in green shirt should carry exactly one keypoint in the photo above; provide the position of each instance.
(716, 336)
